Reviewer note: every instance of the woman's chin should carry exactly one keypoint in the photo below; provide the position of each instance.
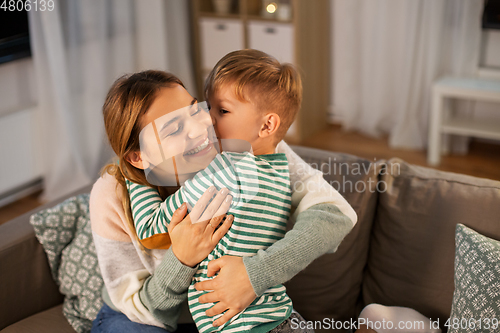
(186, 167)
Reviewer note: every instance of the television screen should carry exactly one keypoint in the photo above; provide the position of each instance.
(491, 15)
(14, 35)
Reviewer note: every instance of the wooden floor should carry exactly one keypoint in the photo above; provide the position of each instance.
(20, 207)
(483, 160)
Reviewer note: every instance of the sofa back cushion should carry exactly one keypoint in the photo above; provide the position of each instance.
(330, 287)
(412, 249)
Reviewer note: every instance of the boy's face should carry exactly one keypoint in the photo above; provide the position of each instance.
(234, 118)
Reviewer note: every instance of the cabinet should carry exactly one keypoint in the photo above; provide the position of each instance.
(219, 37)
(273, 38)
(300, 37)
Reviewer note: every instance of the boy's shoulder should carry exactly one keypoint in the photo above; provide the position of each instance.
(269, 163)
(249, 156)
(234, 159)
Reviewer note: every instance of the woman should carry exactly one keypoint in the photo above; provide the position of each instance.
(144, 289)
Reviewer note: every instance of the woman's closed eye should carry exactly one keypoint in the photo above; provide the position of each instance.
(174, 131)
(196, 110)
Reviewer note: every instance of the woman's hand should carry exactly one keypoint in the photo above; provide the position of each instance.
(232, 288)
(195, 236)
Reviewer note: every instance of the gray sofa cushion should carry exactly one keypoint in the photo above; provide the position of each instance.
(48, 321)
(476, 299)
(412, 248)
(27, 286)
(330, 287)
(25, 267)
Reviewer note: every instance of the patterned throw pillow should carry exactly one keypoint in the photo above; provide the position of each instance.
(476, 299)
(65, 234)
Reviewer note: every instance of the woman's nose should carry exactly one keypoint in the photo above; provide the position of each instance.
(196, 128)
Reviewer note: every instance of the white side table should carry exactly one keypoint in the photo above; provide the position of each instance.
(440, 121)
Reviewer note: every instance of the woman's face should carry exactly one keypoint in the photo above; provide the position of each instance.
(177, 138)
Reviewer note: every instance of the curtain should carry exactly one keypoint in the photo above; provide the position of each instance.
(387, 53)
(79, 49)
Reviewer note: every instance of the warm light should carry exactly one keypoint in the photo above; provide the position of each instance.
(271, 8)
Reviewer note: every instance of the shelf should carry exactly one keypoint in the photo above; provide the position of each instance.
(220, 16)
(266, 19)
(480, 129)
(239, 17)
(302, 39)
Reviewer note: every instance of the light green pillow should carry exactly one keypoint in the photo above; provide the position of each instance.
(476, 299)
(65, 234)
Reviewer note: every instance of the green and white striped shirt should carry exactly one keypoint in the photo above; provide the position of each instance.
(260, 186)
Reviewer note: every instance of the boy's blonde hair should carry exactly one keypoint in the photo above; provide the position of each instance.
(260, 79)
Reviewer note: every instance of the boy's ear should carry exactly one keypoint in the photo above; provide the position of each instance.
(136, 160)
(271, 124)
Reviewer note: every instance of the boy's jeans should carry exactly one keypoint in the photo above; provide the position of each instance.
(108, 320)
(290, 325)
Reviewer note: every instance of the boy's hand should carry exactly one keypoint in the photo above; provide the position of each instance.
(232, 288)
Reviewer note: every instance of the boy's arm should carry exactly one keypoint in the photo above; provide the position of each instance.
(151, 214)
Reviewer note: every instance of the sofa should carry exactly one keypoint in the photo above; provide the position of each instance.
(401, 251)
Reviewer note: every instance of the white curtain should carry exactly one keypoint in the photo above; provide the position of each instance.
(79, 49)
(387, 53)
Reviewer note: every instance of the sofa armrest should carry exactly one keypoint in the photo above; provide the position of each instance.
(27, 286)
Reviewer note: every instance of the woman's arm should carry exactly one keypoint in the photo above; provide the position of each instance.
(132, 290)
(147, 287)
(317, 230)
(124, 266)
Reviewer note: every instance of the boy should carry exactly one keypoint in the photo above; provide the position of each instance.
(253, 98)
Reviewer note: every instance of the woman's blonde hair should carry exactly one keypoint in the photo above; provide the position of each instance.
(259, 78)
(127, 102)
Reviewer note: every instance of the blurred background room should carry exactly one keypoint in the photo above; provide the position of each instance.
(415, 79)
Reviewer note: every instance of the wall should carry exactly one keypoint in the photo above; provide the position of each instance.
(19, 134)
(490, 61)
(17, 85)
(491, 51)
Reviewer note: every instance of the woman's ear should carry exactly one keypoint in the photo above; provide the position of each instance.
(271, 124)
(136, 160)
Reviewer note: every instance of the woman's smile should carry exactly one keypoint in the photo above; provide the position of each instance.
(201, 149)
